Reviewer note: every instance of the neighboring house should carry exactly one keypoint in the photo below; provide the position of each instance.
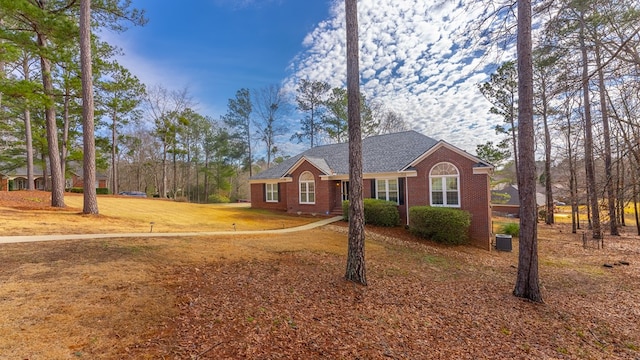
(18, 177)
(505, 200)
(408, 168)
(77, 179)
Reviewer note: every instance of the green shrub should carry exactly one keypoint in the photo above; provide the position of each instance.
(99, 191)
(512, 229)
(345, 210)
(381, 212)
(376, 212)
(440, 224)
(218, 199)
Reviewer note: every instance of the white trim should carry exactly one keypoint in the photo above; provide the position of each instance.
(406, 198)
(271, 181)
(369, 176)
(276, 192)
(307, 192)
(386, 180)
(482, 170)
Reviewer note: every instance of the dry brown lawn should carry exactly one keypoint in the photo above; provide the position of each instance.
(120, 214)
(283, 297)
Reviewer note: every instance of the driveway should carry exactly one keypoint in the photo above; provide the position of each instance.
(35, 238)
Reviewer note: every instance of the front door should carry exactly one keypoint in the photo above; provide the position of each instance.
(345, 190)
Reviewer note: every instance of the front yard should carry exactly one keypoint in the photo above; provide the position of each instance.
(275, 297)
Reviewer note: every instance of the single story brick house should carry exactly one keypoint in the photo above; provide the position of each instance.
(407, 167)
(18, 179)
(77, 179)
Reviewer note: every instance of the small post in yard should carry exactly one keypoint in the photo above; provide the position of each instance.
(151, 223)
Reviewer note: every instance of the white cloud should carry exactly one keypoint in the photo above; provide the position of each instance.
(150, 71)
(161, 71)
(417, 57)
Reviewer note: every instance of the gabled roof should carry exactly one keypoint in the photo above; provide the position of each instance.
(319, 163)
(22, 172)
(380, 154)
(73, 168)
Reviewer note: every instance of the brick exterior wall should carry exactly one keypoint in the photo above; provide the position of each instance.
(258, 197)
(325, 193)
(77, 181)
(474, 193)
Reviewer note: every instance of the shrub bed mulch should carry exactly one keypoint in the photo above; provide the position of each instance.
(423, 301)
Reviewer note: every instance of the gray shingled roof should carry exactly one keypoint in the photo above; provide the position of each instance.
(382, 153)
(22, 172)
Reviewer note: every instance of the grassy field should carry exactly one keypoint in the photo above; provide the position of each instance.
(130, 214)
(282, 297)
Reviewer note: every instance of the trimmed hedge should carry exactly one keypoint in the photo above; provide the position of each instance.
(440, 224)
(376, 212)
(99, 191)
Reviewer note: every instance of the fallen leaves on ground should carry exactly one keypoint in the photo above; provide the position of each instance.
(423, 302)
(284, 297)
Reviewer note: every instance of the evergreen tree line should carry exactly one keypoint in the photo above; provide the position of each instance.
(586, 72)
(150, 139)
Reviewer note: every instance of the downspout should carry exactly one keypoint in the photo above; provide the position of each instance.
(406, 196)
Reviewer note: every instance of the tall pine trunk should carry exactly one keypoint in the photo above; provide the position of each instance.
(549, 218)
(114, 147)
(355, 256)
(163, 193)
(27, 128)
(527, 282)
(606, 133)
(594, 218)
(55, 169)
(88, 138)
(64, 152)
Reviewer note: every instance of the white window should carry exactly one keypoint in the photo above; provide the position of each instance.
(271, 192)
(307, 188)
(387, 189)
(445, 185)
(20, 184)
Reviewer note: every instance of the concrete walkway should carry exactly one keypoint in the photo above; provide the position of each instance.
(35, 238)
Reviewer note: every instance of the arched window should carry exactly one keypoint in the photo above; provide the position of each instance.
(307, 188)
(445, 185)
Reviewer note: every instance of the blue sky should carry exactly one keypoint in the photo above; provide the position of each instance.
(416, 56)
(216, 47)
